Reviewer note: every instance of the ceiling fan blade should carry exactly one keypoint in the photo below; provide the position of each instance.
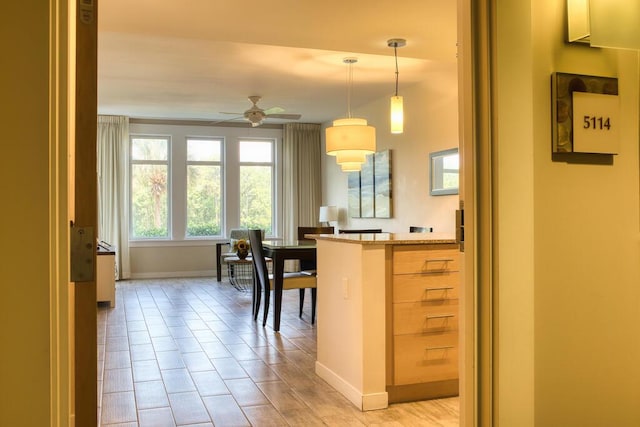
(274, 110)
(285, 116)
(235, 114)
(231, 119)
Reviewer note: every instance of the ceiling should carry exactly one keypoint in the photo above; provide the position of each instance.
(194, 59)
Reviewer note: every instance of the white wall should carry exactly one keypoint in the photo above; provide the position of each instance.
(431, 124)
(569, 270)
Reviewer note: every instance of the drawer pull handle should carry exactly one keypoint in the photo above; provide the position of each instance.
(439, 260)
(443, 288)
(440, 316)
(439, 348)
(443, 296)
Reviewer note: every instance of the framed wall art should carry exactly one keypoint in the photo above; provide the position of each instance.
(370, 190)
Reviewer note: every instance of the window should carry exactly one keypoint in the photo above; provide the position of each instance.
(149, 187)
(204, 187)
(257, 184)
(194, 186)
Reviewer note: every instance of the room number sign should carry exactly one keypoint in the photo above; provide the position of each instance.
(595, 123)
(586, 114)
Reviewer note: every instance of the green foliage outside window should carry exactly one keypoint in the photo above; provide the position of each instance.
(149, 181)
(204, 214)
(256, 197)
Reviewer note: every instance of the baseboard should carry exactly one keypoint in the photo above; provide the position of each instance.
(423, 391)
(174, 274)
(364, 402)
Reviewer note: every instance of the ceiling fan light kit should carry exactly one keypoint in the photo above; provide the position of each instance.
(397, 113)
(256, 115)
(350, 139)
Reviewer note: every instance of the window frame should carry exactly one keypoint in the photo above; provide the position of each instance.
(177, 170)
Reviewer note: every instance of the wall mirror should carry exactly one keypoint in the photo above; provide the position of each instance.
(445, 172)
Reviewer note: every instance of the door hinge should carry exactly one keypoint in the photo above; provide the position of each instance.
(83, 252)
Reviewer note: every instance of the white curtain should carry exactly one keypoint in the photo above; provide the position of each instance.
(113, 142)
(302, 177)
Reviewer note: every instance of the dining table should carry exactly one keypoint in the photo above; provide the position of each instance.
(279, 251)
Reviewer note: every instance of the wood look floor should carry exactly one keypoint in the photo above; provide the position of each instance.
(186, 352)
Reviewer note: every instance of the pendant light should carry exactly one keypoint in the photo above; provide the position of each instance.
(397, 114)
(350, 139)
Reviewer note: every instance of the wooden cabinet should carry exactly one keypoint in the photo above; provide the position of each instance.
(425, 284)
(106, 274)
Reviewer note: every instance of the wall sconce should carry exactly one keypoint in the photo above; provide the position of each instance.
(604, 23)
(350, 139)
(328, 214)
(397, 113)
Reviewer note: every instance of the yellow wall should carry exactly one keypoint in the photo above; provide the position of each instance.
(569, 270)
(24, 220)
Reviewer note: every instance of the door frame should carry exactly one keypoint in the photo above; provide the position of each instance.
(478, 340)
(478, 366)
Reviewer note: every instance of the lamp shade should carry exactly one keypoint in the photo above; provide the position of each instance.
(351, 166)
(328, 213)
(348, 156)
(397, 115)
(351, 134)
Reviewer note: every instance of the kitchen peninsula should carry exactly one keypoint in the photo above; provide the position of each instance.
(387, 326)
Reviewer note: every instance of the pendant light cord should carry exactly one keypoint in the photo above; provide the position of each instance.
(395, 53)
(349, 84)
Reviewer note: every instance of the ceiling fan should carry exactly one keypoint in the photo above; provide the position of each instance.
(256, 115)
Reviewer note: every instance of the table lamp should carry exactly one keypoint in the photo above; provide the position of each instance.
(328, 214)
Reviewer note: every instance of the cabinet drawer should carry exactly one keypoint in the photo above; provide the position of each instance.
(419, 317)
(429, 287)
(425, 358)
(425, 259)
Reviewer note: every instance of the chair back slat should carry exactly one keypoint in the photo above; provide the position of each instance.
(259, 262)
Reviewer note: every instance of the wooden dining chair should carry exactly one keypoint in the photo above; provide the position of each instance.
(310, 265)
(302, 231)
(264, 281)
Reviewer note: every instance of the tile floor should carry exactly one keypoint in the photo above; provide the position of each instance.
(186, 352)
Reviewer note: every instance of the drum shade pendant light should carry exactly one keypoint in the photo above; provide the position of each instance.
(397, 113)
(350, 139)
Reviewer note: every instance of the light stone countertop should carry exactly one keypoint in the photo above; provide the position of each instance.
(388, 238)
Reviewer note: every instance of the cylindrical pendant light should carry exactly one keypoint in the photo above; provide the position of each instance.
(397, 115)
(397, 110)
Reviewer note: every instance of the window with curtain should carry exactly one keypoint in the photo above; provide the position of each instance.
(204, 187)
(150, 184)
(257, 168)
